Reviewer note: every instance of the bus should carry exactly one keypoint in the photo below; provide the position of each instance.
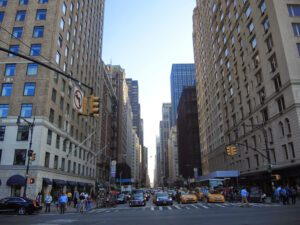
(213, 183)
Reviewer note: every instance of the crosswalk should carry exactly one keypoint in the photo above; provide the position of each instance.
(197, 206)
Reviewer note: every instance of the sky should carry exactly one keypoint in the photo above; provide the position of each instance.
(145, 37)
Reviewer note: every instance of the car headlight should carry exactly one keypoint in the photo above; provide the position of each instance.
(157, 199)
(170, 199)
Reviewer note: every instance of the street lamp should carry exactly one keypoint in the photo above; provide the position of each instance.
(29, 152)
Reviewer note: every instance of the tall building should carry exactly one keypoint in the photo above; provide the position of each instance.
(181, 75)
(247, 56)
(189, 159)
(66, 35)
(165, 126)
(173, 156)
(158, 176)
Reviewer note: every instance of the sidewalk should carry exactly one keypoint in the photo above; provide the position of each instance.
(69, 209)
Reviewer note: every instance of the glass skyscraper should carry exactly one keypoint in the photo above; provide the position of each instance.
(181, 75)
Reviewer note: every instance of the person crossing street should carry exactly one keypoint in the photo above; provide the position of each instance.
(244, 194)
(63, 200)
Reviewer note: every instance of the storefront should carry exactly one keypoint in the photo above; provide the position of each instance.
(16, 182)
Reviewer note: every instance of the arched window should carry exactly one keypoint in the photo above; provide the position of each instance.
(281, 128)
(270, 135)
(288, 126)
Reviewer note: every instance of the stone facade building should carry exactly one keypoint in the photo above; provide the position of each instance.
(247, 56)
(66, 35)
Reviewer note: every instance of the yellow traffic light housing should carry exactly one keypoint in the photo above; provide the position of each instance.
(33, 156)
(231, 150)
(94, 105)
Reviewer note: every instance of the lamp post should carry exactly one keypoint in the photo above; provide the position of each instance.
(29, 152)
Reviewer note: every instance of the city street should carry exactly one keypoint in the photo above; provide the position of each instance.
(210, 214)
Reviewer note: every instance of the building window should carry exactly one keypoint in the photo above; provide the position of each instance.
(13, 48)
(57, 144)
(270, 135)
(20, 157)
(294, 10)
(265, 115)
(280, 103)
(0, 155)
(273, 63)
(61, 103)
(296, 28)
(273, 156)
(59, 122)
(60, 41)
(69, 166)
(256, 160)
(277, 82)
(281, 128)
(6, 89)
(38, 32)
(250, 27)
(57, 58)
(51, 116)
(262, 95)
(285, 152)
(29, 89)
(17, 32)
(248, 11)
(55, 166)
(53, 96)
(10, 69)
(23, 133)
(62, 166)
(4, 108)
(3, 3)
(298, 47)
(32, 69)
(20, 16)
(2, 132)
(248, 163)
(43, 1)
(1, 17)
(266, 24)
(26, 110)
(41, 14)
(269, 43)
(263, 7)
(49, 137)
(288, 126)
(65, 143)
(74, 167)
(23, 2)
(79, 167)
(253, 42)
(64, 8)
(47, 159)
(62, 24)
(292, 150)
(35, 49)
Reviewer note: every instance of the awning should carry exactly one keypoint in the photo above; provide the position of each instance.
(89, 185)
(16, 180)
(47, 181)
(220, 174)
(71, 183)
(58, 182)
(80, 184)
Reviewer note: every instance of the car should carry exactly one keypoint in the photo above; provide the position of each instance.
(186, 197)
(215, 197)
(162, 198)
(121, 199)
(137, 200)
(19, 205)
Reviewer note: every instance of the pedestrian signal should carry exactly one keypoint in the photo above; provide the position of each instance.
(31, 181)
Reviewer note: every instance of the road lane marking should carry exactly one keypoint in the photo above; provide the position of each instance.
(194, 206)
(187, 208)
(152, 208)
(220, 205)
(177, 207)
(169, 207)
(160, 208)
(203, 206)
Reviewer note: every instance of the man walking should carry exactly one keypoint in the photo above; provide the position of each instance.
(63, 200)
(244, 194)
(48, 200)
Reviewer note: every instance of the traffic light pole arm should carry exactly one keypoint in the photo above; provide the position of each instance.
(254, 149)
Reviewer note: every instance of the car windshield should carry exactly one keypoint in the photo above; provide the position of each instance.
(138, 197)
(162, 194)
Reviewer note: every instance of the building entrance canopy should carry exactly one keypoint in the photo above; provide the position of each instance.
(220, 174)
(16, 180)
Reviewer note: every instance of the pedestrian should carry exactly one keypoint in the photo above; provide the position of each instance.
(82, 202)
(69, 194)
(244, 194)
(293, 195)
(39, 198)
(277, 194)
(48, 200)
(283, 196)
(88, 203)
(63, 200)
(75, 198)
(288, 194)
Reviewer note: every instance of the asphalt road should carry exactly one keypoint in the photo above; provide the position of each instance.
(190, 214)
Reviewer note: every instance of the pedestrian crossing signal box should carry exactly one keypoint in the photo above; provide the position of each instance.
(31, 181)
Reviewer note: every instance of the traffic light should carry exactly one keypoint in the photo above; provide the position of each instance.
(33, 156)
(231, 150)
(30, 153)
(94, 105)
(31, 181)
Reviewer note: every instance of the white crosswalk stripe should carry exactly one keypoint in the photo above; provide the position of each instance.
(160, 208)
(169, 208)
(177, 207)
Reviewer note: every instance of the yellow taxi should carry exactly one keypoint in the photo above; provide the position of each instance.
(215, 197)
(186, 197)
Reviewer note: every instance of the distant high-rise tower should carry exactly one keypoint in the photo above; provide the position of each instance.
(181, 75)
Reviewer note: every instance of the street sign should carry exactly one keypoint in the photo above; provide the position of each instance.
(78, 98)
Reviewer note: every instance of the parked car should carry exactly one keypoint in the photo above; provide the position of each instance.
(121, 199)
(162, 198)
(137, 200)
(19, 205)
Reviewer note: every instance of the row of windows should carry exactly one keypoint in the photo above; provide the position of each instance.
(3, 3)
(38, 32)
(10, 69)
(29, 89)
(41, 14)
(26, 110)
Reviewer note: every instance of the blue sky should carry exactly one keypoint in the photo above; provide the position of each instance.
(145, 37)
